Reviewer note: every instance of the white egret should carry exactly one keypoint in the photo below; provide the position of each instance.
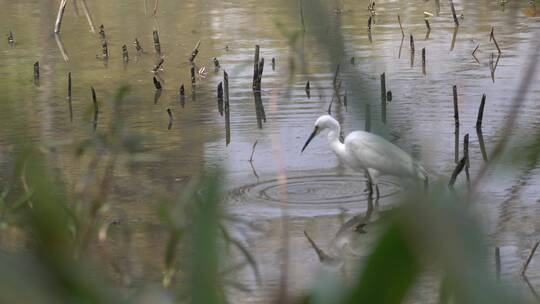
(368, 152)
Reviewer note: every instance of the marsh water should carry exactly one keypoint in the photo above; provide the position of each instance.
(321, 193)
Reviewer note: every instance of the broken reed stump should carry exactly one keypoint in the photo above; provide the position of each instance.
(456, 144)
(456, 110)
(424, 60)
(105, 49)
(96, 107)
(216, 64)
(259, 108)
(529, 258)
(256, 66)
(383, 97)
(498, 262)
(480, 136)
(273, 63)
(138, 46)
(59, 17)
(307, 89)
(492, 37)
(102, 35)
(481, 112)
(456, 21)
(182, 91)
(195, 52)
(466, 155)
(336, 75)
(69, 85)
(157, 44)
(182, 95)
(158, 65)
(157, 84)
(259, 74)
(104, 45)
(401, 46)
(454, 36)
(368, 117)
(36, 71)
(400, 26)
(302, 16)
(69, 98)
(220, 98)
(125, 55)
(412, 43)
(455, 173)
(169, 112)
(226, 87)
(226, 108)
(10, 38)
(192, 71)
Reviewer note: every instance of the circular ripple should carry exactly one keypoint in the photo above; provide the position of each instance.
(313, 190)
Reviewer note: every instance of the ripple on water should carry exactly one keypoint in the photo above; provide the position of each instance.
(318, 192)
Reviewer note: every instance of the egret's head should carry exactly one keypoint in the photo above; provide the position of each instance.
(323, 122)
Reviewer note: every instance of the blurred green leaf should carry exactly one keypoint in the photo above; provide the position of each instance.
(389, 272)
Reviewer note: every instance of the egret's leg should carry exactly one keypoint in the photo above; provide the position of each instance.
(374, 181)
(369, 183)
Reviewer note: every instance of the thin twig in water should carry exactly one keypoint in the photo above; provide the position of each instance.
(498, 262)
(400, 26)
(529, 258)
(492, 36)
(252, 151)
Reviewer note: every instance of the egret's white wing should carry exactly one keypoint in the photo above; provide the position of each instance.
(377, 153)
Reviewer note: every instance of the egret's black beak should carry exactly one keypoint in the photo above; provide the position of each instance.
(315, 132)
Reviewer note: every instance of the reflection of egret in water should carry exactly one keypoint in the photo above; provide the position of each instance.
(350, 238)
(363, 151)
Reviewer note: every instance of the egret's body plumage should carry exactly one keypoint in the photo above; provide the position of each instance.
(364, 151)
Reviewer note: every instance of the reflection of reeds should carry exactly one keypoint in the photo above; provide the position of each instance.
(88, 16)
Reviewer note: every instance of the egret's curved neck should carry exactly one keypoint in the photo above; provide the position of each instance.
(333, 139)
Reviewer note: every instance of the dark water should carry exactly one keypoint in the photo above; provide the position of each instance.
(320, 191)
